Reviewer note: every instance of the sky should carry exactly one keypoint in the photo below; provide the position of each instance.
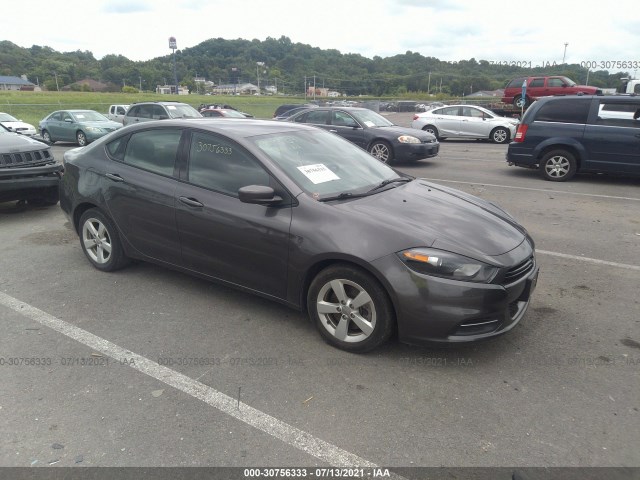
(450, 30)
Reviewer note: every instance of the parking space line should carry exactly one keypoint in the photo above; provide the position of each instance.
(290, 435)
(590, 260)
(546, 190)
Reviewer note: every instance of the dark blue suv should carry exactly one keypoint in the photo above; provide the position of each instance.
(565, 135)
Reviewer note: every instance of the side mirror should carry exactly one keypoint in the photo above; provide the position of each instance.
(258, 194)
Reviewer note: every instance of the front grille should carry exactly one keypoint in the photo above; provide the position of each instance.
(26, 159)
(519, 271)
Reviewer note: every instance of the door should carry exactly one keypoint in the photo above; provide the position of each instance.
(348, 127)
(612, 140)
(222, 237)
(474, 123)
(447, 120)
(140, 189)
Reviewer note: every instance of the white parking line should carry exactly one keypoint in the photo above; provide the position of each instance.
(546, 190)
(290, 435)
(590, 260)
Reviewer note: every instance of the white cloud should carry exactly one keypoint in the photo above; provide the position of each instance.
(446, 29)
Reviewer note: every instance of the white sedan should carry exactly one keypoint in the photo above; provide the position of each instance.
(15, 125)
(465, 121)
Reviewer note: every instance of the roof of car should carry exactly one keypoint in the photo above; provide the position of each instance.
(239, 127)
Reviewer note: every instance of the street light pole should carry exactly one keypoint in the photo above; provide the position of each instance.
(565, 52)
(173, 45)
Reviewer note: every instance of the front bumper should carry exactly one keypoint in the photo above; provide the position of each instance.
(432, 309)
(416, 151)
(17, 183)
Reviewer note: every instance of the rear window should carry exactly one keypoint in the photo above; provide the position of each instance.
(516, 82)
(565, 111)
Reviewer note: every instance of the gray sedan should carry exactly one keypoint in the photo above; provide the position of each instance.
(465, 121)
(303, 217)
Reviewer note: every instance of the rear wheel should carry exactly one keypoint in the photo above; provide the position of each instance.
(350, 308)
(382, 151)
(558, 166)
(432, 130)
(100, 241)
(520, 102)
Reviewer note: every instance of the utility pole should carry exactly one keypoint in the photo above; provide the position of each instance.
(565, 52)
(429, 84)
(173, 45)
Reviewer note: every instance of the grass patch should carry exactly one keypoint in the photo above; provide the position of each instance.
(31, 107)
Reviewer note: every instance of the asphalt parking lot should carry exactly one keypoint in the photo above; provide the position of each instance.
(149, 367)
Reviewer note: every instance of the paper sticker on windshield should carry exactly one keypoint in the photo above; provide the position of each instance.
(370, 124)
(318, 173)
(79, 115)
(171, 107)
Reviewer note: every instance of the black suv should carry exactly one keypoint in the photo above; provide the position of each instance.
(146, 111)
(28, 171)
(565, 135)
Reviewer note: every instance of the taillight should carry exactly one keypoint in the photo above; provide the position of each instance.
(415, 117)
(520, 133)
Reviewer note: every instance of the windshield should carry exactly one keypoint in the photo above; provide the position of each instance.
(371, 118)
(183, 111)
(5, 117)
(323, 164)
(89, 116)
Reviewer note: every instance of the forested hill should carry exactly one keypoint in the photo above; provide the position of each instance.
(286, 64)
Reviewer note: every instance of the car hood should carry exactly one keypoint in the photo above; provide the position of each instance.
(397, 130)
(14, 142)
(425, 214)
(106, 125)
(18, 124)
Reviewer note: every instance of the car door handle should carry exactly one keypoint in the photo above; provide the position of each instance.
(191, 202)
(114, 176)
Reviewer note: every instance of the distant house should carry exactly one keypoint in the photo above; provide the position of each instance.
(233, 88)
(16, 83)
(171, 90)
(93, 85)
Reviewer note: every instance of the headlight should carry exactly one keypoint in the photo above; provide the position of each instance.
(447, 265)
(408, 139)
(94, 129)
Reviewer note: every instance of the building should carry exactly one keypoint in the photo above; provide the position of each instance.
(235, 88)
(16, 83)
(171, 90)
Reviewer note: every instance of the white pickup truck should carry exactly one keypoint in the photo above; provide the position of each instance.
(117, 112)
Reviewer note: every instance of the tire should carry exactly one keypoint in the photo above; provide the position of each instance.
(49, 197)
(499, 135)
(382, 151)
(558, 166)
(46, 136)
(100, 241)
(351, 310)
(519, 103)
(432, 130)
(81, 138)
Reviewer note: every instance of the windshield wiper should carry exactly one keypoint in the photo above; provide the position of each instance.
(389, 181)
(343, 195)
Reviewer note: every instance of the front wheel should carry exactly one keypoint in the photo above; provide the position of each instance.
(81, 138)
(558, 166)
(382, 151)
(46, 136)
(100, 241)
(500, 135)
(350, 308)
